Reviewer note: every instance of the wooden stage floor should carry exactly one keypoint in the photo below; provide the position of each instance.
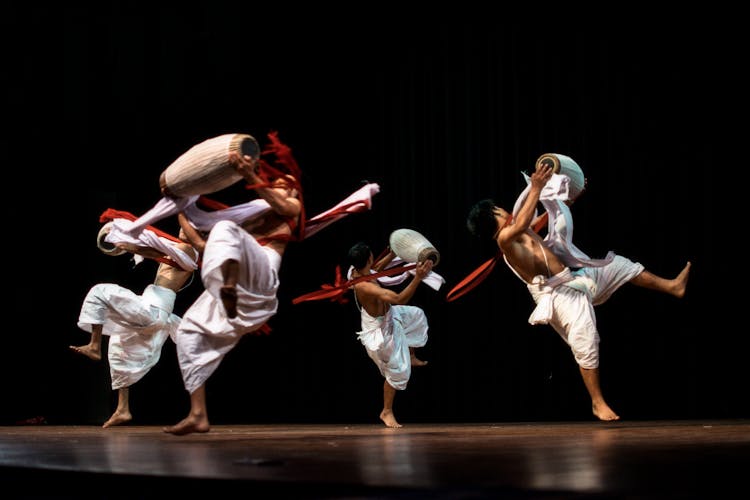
(642, 459)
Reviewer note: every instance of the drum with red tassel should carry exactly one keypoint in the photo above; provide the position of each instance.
(205, 168)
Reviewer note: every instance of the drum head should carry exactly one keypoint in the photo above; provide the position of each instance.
(250, 147)
(565, 165)
(551, 160)
(106, 247)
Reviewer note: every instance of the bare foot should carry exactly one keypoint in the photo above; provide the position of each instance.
(602, 411)
(680, 282)
(189, 425)
(118, 418)
(87, 351)
(415, 361)
(389, 419)
(228, 295)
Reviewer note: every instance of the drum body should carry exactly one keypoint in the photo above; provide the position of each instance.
(411, 246)
(565, 165)
(205, 168)
(106, 247)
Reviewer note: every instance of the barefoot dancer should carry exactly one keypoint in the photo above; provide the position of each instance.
(391, 330)
(565, 299)
(240, 273)
(137, 325)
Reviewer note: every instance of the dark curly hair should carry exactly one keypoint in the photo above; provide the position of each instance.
(358, 255)
(481, 221)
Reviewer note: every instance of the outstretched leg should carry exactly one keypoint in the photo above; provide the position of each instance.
(389, 393)
(197, 419)
(93, 349)
(415, 361)
(122, 413)
(601, 409)
(230, 270)
(675, 286)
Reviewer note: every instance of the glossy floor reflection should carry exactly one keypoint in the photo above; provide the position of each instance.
(653, 459)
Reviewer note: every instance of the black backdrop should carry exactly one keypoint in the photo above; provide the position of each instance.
(440, 114)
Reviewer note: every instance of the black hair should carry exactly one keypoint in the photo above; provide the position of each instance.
(481, 221)
(358, 255)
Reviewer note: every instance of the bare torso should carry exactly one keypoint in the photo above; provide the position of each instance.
(173, 277)
(270, 225)
(526, 254)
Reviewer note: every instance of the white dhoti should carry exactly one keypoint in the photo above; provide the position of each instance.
(566, 301)
(206, 334)
(138, 326)
(387, 340)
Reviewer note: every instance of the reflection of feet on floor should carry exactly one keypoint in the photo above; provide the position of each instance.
(87, 351)
(229, 299)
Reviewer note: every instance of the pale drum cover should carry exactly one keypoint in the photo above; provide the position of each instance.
(411, 246)
(205, 168)
(565, 165)
(106, 247)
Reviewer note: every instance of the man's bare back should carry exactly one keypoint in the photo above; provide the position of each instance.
(366, 294)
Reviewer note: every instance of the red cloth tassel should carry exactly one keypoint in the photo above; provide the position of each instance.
(541, 222)
(211, 204)
(479, 274)
(283, 154)
(111, 214)
(340, 287)
(283, 158)
(472, 280)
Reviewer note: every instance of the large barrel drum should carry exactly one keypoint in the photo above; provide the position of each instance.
(411, 246)
(205, 168)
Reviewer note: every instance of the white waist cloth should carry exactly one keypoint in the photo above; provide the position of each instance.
(138, 327)
(206, 334)
(566, 301)
(541, 290)
(387, 340)
(572, 304)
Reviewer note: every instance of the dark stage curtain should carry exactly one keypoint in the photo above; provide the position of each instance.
(440, 115)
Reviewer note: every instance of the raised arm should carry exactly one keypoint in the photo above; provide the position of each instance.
(281, 195)
(191, 235)
(384, 261)
(522, 221)
(405, 295)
